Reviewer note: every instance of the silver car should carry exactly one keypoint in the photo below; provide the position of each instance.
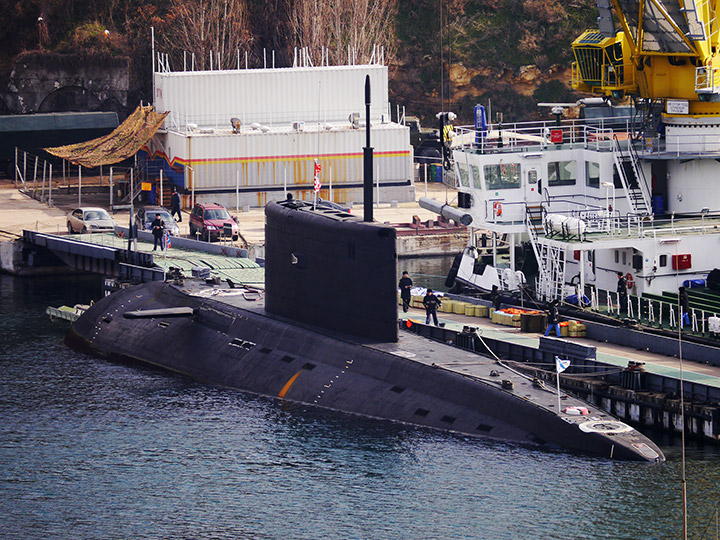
(145, 216)
(89, 219)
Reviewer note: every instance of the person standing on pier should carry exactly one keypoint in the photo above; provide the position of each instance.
(684, 302)
(405, 285)
(158, 230)
(622, 293)
(431, 303)
(553, 318)
(175, 205)
(495, 297)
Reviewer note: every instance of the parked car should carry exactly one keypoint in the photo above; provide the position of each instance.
(322, 203)
(89, 219)
(144, 217)
(209, 219)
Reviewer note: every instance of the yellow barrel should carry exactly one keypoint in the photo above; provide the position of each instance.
(459, 307)
(481, 311)
(469, 310)
(447, 305)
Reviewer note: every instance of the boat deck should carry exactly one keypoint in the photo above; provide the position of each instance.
(641, 227)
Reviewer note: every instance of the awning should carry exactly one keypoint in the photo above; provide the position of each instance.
(122, 143)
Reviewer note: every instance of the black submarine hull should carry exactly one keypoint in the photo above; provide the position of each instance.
(237, 344)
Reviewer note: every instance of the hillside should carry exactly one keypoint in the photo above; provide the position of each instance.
(506, 53)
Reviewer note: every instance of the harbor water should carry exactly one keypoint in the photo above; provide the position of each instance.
(99, 450)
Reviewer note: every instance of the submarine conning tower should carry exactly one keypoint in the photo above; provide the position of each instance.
(330, 269)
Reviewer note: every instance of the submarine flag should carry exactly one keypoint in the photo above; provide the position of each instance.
(561, 365)
(316, 177)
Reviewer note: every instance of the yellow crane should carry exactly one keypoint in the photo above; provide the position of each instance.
(664, 50)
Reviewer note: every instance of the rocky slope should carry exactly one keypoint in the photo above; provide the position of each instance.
(508, 54)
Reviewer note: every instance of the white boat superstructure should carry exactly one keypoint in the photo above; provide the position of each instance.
(589, 199)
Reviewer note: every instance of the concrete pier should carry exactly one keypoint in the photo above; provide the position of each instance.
(638, 386)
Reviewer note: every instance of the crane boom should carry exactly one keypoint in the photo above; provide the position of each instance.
(658, 50)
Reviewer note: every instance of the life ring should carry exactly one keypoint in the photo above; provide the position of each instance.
(629, 280)
(497, 208)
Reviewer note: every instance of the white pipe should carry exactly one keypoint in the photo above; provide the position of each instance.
(582, 279)
(152, 55)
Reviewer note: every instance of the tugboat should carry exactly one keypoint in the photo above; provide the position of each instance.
(313, 337)
(607, 207)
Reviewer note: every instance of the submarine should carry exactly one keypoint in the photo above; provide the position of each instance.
(325, 332)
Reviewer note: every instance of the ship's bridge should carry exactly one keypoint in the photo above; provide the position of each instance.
(596, 164)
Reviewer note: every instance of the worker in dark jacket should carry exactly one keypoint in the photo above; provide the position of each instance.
(405, 285)
(158, 230)
(431, 303)
(495, 297)
(622, 293)
(684, 307)
(175, 205)
(553, 318)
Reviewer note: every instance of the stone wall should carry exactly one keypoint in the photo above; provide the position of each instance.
(50, 82)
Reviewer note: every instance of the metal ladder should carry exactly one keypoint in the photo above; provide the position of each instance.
(137, 187)
(696, 27)
(632, 178)
(551, 259)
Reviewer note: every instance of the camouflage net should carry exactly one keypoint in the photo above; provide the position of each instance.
(122, 143)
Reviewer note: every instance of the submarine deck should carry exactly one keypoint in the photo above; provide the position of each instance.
(415, 348)
(609, 353)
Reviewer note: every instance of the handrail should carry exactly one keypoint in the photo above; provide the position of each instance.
(640, 175)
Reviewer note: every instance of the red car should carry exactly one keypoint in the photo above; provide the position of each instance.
(210, 220)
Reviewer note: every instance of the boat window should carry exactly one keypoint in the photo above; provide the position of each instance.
(624, 257)
(663, 261)
(504, 176)
(477, 180)
(464, 174)
(532, 176)
(562, 173)
(592, 174)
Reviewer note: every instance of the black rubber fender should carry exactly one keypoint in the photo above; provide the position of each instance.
(450, 279)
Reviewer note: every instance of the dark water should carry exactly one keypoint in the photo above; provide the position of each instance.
(96, 450)
(427, 271)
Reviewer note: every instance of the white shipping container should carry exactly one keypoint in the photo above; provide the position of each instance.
(266, 160)
(269, 96)
(288, 118)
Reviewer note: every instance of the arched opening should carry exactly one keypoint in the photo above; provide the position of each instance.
(70, 98)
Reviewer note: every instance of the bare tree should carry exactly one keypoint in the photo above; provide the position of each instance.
(214, 30)
(354, 28)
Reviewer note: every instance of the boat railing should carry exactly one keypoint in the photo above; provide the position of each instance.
(686, 225)
(609, 223)
(533, 136)
(594, 134)
(500, 212)
(650, 311)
